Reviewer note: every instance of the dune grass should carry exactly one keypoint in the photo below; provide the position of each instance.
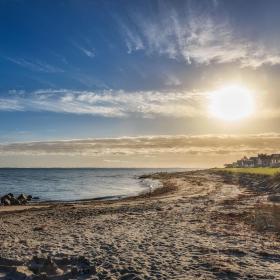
(259, 170)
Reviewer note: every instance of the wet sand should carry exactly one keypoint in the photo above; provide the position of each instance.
(199, 225)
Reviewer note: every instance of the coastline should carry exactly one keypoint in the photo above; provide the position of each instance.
(59, 186)
(198, 224)
(147, 192)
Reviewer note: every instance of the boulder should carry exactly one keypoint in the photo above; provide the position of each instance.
(6, 202)
(10, 199)
(6, 197)
(15, 201)
(22, 197)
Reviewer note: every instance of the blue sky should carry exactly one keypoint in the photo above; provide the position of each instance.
(99, 69)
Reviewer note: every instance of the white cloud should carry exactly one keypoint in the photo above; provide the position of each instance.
(9, 105)
(198, 38)
(126, 104)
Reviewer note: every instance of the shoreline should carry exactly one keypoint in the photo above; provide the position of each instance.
(147, 191)
(197, 225)
(139, 179)
(163, 188)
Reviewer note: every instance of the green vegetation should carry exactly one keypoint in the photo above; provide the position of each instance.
(258, 170)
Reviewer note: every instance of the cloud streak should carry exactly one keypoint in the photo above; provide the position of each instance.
(120, 104)
(126, 104)
(151, 146)
(36, 65)
(89, 52)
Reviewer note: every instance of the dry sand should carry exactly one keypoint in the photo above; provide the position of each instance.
(195, 227)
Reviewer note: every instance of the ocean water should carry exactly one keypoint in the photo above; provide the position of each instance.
(75, 184)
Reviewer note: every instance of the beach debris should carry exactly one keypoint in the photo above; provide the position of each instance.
(10, 199)
(274, 198)
(40, 228)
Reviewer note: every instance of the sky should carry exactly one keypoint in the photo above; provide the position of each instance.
(129, 83)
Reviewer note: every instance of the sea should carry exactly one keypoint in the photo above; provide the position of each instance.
(70, 184)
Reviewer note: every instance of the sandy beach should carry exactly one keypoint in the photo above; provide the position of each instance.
(199, 225)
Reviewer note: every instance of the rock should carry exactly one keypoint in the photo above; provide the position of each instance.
(15, 201)
(10, 199)
(22, 198)
(7, 196)
(6, 202)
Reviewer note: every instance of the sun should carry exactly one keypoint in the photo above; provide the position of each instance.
(231, 103)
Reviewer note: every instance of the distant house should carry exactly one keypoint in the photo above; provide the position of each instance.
(262, 160)
(254, 160)
(245, 162)
(275, 160)
(249, 163)
(240, 163)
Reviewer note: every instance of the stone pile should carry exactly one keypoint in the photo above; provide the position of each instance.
(10, 199)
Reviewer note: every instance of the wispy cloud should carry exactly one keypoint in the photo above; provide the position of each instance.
(10, 105)
(89, 52)
(132, 40)
(197, 38)
(108, 103)
(35, 65)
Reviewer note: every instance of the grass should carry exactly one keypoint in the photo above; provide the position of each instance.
(259, 170)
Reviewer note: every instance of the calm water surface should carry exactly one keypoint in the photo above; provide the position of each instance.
(74, 184)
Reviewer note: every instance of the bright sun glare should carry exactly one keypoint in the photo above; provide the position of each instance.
(231, 103)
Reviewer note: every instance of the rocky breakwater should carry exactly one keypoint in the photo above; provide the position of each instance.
(10, 199)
